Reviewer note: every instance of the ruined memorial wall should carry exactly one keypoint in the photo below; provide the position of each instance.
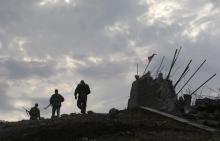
(158, 94)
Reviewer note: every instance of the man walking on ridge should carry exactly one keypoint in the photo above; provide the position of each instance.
(82, 90)
(56, 100)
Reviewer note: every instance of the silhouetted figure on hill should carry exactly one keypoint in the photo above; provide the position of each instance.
(82, 90)
(56, 100)
(148, 76)
(160, 76)
(137, 77)
(159, 79)
(34, 113)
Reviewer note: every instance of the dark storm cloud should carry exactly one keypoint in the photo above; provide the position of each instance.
(21, 70)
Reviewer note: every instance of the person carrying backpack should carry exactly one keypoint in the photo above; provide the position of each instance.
(55, 101)
(34, 113)
(81, 92)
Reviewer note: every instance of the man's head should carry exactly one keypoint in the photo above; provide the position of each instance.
(56, 91)
(36, 105)
(160, 75)
(82, 82)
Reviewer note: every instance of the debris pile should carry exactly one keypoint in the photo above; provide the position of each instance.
(158, 94)
(161, 93)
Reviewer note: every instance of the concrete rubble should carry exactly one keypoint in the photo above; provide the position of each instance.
(154, 93)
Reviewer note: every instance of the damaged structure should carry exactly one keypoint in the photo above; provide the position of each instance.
(160, 93)
(155, 93)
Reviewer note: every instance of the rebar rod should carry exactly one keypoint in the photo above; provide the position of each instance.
(160, 65)
(203, 83)
(192, 76)
(185, 70)
(172, 64)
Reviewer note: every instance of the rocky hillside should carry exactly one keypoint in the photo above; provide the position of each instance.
(135, 125)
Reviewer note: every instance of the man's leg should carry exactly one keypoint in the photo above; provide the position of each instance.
(84, 105)
(58, 111)
(79, 103)
(53, 111)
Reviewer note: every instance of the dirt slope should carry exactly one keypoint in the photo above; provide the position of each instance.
(136, 125)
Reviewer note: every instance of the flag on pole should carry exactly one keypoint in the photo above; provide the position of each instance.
(151, 57)
(149, 60)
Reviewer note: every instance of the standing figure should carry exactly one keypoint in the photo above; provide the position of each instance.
(56, 100)
(82, 90)
(34, 113)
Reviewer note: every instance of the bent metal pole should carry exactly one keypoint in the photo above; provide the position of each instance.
(191, 76)
(178, 53)
(176, 57)
(181, 76)
(146, 68)
(203, 83)
(160, 66)
(172, 64)
(149, 61)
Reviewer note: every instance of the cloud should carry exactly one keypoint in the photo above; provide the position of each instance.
(162, 11)
(21, 70)
(43, 3)
(5, 101)
(204, 21)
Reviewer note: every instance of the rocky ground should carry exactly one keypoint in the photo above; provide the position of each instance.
(136, 125)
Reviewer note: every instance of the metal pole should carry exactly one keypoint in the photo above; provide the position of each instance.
(160, 66)
(137, 68)
(204, 83)
(185, 70)
(161, 69)
(172, 64)
(178, 54)
(192, 76)
(146, 67)
(175, 71)
(149, 61)
(186, 73)
(153, 69)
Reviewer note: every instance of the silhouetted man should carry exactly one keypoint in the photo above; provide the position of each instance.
(34, 113)
(82, 90)
(56, 100)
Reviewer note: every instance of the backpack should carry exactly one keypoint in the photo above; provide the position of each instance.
(87, 89)
(33, 112)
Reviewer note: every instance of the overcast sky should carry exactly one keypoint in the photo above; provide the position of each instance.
(48, 44)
